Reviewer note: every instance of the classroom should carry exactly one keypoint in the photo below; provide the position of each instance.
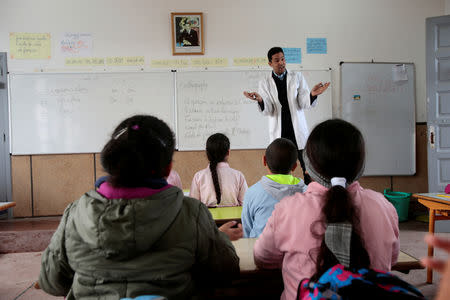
(128, 52)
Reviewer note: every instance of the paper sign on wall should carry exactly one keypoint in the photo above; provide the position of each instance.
(316, 46)
(209, 62)
(30, 45)
(169, 63)
(399, 73)
(293, 55)
(76, 44)
(249, 61)
(125, 61)
(85, 61)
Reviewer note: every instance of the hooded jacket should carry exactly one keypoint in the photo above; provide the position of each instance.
(260, 200)
(287, 241)
(163, 244)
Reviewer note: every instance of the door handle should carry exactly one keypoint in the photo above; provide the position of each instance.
(432, 138)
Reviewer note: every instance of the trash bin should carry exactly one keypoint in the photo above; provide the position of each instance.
(400, 201)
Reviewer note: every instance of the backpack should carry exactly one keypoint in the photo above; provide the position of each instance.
(339, 282)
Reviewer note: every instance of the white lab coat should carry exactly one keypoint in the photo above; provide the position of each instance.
(298, 99)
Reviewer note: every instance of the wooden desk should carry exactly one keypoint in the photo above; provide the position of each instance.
(7, 206)
(224, 214)
(244, 249)
(439, 209)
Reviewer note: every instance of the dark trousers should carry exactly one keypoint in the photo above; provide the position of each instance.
(306, 177)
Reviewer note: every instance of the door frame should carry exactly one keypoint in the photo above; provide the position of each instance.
(5, 157)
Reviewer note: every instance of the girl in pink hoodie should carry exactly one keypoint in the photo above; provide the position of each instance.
(300, 236)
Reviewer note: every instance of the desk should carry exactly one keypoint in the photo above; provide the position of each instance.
(7, 206)
(224, 214)
(244, 249)
(439, 209)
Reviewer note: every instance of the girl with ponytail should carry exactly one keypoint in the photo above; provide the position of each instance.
(218, 184)
(335, 220)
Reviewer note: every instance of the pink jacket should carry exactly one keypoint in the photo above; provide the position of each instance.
(232, 185)
(174, 179)
(286, 240)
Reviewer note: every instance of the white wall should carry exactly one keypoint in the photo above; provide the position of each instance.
(357, 30)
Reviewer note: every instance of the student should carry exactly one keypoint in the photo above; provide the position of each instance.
(174, 179)
(137, 235)
(294, 236)
(259, 201)
(218, 184)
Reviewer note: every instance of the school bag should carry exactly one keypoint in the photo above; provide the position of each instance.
(339, 283)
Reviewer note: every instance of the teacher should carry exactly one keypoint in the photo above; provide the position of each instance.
(283, 95)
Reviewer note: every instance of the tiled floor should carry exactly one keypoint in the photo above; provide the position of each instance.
(18, 271)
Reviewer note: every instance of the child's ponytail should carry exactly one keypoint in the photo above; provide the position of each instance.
(215, 178)
(334, 157)
(217, 148)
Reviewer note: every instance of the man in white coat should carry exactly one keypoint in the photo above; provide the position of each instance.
(282, 96)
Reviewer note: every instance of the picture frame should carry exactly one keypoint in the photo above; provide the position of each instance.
(187, 33)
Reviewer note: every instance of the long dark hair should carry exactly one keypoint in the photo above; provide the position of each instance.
(217, 148)
(141, 147)
(335, 148)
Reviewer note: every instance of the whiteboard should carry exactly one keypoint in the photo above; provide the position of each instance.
(55, 113)
(384, 110)
(213, 101)
(76, 113)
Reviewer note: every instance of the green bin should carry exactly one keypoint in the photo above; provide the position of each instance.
(400, 201)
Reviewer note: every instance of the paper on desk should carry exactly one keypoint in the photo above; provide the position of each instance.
(399, 73)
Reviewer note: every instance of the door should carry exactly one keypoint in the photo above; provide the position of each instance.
(5, 160)
(438, 105)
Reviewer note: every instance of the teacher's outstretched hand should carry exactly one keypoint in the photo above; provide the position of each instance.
(319, 88)
(253, 96)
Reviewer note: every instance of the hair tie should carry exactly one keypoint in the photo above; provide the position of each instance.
(121, 131)
(339, 181)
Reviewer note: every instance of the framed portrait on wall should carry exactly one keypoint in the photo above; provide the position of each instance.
(187, 34)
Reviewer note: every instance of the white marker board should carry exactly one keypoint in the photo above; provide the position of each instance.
(55, 113)
(379, 98)
(76, 113)
(213, 101)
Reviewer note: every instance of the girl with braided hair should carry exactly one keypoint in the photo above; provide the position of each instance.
(218, 184)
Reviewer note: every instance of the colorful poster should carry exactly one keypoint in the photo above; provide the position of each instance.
(24, 45)
(249, 61)
(76, 44)
(293, 55)
(316, 46)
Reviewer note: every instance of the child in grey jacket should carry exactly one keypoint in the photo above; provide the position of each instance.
(137, 235)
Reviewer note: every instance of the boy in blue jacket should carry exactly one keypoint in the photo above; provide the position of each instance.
(260, 199)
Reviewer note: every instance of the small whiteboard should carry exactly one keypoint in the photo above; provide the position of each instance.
(76, 113)
(379, 98)
(213, 101)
